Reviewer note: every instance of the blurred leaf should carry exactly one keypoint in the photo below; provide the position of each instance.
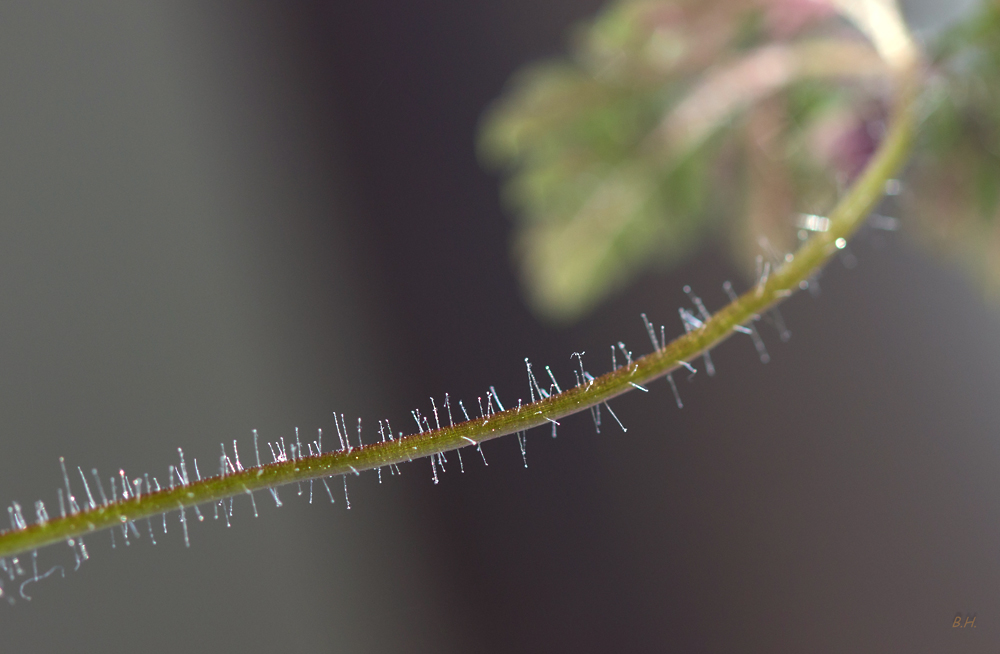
(672, 122)
(953, 191)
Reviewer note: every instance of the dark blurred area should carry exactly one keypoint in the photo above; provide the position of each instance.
(225, 217)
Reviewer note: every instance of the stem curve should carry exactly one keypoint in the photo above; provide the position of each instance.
(849, 213)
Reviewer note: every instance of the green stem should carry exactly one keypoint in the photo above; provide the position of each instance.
(845, 218)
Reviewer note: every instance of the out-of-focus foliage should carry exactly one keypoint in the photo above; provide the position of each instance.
(673, 122)
(953, 198)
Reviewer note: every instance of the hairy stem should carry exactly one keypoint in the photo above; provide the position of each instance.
(784, 280)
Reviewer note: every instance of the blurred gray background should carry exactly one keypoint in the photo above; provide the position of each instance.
(223, 217)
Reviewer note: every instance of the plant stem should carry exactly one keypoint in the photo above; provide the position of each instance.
(849, 213)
